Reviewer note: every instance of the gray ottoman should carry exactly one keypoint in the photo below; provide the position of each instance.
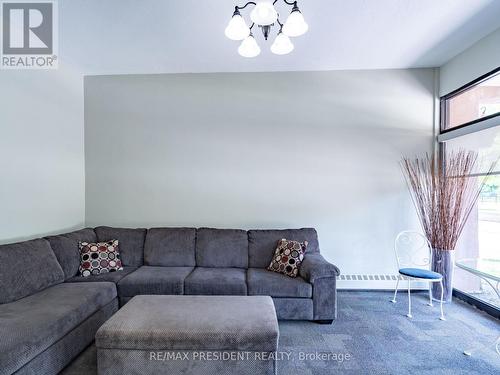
(190, 335)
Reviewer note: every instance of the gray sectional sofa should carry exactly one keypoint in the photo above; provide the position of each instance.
(49, 314)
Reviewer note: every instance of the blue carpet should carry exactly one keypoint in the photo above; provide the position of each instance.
(373, 336)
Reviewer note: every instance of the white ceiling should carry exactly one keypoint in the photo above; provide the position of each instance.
(163, 36)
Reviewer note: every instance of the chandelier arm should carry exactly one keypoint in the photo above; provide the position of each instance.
(291, 3)
(244, 6)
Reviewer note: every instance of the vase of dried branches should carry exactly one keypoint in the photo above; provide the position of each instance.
(442, 262)
(445, 190)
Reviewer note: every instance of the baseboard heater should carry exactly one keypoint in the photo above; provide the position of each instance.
(371, 277)
(376, 281)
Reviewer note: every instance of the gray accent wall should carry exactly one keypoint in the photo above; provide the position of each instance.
(42, 180)
(261, 150)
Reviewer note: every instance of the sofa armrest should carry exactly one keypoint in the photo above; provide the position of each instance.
(314, 267)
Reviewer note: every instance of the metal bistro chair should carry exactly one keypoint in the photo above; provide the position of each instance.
(412, 250)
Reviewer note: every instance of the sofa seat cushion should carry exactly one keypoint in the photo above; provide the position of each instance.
(267, 283)
(32, 324)
(26, 268)
(216, 281)
(154, 280)
(67, 250)
(131, 243)
(113, 277)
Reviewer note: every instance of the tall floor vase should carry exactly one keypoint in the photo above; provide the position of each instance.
(443, 262)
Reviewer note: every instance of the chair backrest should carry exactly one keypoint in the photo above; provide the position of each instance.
(412, 249)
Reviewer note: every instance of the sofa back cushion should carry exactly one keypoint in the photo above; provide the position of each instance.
(26, 268)
(170, 247)
(65, 247)
(263, 242)
(130, 242)
(221, 248)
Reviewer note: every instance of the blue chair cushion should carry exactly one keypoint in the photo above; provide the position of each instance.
(420, 273)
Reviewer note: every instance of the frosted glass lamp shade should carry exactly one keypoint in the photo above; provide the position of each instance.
(295, 24)
(264, 13)
(237, 28)
(249, 47)
(282, 45)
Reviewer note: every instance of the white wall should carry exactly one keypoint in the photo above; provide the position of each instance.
(41, 153)
(260, 150)
(479, 59)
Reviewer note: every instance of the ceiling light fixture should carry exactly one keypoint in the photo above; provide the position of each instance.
(249, 47)
(282, 45)
(237, 28)
(295, 24)
(264, 15)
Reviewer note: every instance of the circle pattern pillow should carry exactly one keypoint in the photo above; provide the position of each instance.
(99, 257)
(287, 257)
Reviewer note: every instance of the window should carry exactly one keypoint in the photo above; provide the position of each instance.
(476, 101)
(481, 237)
(471, 120)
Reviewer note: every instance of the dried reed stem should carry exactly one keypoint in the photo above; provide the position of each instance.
(444, 193)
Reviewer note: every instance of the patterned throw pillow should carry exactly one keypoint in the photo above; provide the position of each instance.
(100, 257)
(287, 257)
